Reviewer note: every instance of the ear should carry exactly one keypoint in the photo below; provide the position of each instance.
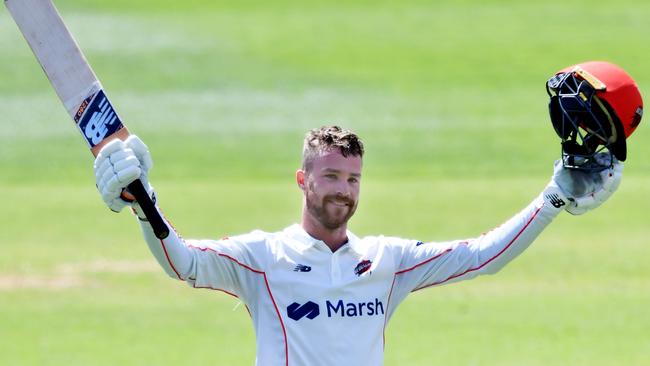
(300, 179)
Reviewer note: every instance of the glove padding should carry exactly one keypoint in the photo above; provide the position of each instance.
(117, 165)
(587, 190)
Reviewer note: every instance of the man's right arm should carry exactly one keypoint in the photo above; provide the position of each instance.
(172, 253)
(119, 163)
(226, 265)
(201, 263)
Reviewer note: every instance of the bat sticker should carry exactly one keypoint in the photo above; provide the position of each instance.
(97, 119)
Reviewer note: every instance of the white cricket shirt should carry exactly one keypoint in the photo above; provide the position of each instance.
(312, 307)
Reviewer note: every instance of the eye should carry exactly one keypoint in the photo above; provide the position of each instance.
(330, 176)
(353, 180)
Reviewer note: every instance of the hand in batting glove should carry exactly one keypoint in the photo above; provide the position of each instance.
(117, 165)
(587, 190)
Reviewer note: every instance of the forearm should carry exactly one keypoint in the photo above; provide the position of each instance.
(488, 253)
(500, 246)
(171, 253)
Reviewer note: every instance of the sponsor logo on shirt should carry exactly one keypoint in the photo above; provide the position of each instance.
(302, 268)
(362, 267)
(336, 308)
(309, 309)
(352, 309)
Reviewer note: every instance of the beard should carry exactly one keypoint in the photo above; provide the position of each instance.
(332, 211)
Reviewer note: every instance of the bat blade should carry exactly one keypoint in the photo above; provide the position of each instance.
(76, 85)
(67, 69)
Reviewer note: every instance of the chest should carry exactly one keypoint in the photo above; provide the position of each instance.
(346, 278)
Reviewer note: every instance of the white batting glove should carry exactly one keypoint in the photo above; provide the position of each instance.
(118, 164)
(587, 190)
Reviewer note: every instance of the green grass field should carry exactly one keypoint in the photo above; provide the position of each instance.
(449, 98)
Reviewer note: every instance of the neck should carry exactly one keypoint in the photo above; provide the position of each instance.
(333, 238)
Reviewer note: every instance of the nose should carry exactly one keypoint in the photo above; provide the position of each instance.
(343, 190)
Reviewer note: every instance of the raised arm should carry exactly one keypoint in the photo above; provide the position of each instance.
(201, 263)
(119, 163)
(430, 264)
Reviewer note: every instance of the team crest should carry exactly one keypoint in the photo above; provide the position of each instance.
(362, 267)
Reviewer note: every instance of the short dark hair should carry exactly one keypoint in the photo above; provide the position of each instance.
(326, 138)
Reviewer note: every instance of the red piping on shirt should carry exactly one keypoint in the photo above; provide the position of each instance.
(268, 288)
(224, 291)
(457, 275)
(425, 262)
(404, 271)
(162, 244)
(489, 260)
(216, 289)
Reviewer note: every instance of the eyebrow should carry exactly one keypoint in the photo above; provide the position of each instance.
(331, 170)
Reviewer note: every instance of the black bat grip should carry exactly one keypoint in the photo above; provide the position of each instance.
(156, 221)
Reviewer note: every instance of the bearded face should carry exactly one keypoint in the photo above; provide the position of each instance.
(331, 210)
(331, 188)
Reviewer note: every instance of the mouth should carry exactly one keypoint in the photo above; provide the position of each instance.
(339, 203)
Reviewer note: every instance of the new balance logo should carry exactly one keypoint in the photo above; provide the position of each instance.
(555, 200)
(309, 309)
(98, 120)
(302, 268)
(97, 126)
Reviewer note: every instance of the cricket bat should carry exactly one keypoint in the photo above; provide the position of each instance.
(77, 86)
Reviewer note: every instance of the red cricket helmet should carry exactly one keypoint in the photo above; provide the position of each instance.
(594, 106)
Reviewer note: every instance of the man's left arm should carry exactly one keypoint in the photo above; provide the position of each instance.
(577, 192)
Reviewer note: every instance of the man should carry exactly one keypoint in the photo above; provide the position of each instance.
(318, 294)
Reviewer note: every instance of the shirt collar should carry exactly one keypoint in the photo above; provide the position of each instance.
(299, 234)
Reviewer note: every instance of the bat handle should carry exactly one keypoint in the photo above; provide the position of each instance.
(149, 209)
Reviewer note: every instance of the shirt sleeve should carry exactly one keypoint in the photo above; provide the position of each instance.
(423, 265)
(226, 265)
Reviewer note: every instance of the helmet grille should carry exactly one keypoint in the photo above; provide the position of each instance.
(581, 120)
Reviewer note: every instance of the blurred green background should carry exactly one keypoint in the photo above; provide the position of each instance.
(449, 98)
